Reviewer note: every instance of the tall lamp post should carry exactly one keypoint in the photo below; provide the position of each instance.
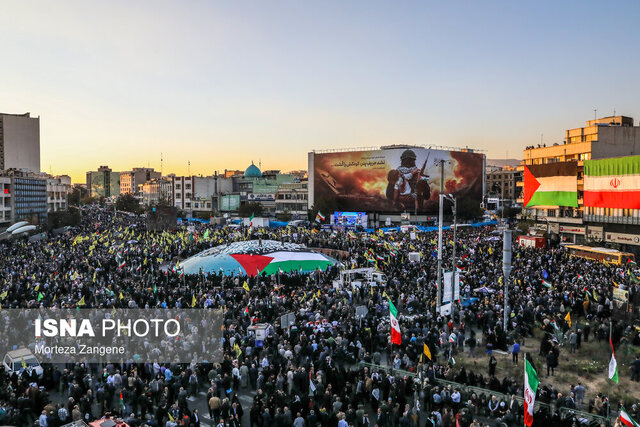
(506, 270)
(454, 268)
(440, 215)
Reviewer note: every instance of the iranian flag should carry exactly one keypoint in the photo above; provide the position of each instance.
(530, 389)
(396, 337)
(612, 183)
(627, 420)
(613, 365)
(319, 217)
(553, 184)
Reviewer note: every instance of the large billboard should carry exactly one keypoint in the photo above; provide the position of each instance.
(394, 179)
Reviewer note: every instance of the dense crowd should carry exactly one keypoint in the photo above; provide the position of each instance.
(330, 368)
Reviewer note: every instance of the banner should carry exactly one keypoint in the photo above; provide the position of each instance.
(394, 179)
(612, 183)
(553, 184)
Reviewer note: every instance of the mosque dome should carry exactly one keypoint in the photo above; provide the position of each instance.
(252, 172)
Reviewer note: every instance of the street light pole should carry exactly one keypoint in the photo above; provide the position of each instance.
(440, 215)
(506, 271)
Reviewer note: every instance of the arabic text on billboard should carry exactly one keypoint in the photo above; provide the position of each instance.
(398, 179)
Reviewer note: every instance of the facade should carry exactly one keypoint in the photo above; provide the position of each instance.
(103, 183)
(24, 198)
(58, 189)
(131, 181)
(599, 139)
(293, 198)
(20, 142)
(199, 193)
(261, 187)
(155, 190)
(5, 201)
(502, 187)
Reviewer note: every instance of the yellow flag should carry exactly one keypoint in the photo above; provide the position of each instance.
(426, 351)
(318, 293)
(24, 364)
(593, 292)
(568, 318)
(193, 301)
(245, 285)
(94, 277)
(81, 302)
(54, 297)
(121, 296)
(170, 417)
(3, 295)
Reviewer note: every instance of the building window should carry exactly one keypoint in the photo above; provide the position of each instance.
(551, 212)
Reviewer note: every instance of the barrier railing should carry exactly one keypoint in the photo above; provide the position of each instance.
(564, 412)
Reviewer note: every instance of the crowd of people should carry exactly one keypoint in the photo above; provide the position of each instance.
(330, 368)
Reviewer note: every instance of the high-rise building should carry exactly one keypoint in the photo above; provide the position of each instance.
(501, 187)
(19, 142)
(103, 183)
(606, 137)
(156, 190)
(24, 197)
(131, 181)
(58, 189)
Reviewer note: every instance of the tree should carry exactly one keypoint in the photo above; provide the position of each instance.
(325, 205)
(251, 208)
(284, 216)
(59, 219)
(468, 208)
(128, 203)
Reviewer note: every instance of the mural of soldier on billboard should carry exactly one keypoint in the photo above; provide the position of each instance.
(408, 186)
(405, 179)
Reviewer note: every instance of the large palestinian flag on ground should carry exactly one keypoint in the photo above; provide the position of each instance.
(253, 257)
(553, 184)
(612, 183)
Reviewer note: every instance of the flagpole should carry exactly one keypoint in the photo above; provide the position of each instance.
(609, 382)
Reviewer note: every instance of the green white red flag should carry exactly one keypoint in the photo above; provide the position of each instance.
(627, 420)
(530, 389)
(396, 337)
(613, 365)
(612, 183)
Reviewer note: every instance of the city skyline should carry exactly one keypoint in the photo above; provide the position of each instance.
(221, 85)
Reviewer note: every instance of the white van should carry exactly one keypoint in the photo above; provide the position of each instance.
(15, 360)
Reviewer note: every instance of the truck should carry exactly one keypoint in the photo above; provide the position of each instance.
(357, 277)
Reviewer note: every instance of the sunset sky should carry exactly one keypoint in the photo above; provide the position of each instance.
(220, 84)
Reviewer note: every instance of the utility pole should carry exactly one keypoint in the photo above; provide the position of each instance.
(440, 215)
(506, 271)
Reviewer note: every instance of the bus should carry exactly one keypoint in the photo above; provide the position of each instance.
(612, 256)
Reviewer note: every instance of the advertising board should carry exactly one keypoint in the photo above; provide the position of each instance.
(395, 179)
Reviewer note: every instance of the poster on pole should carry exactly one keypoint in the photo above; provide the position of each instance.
(450, 287)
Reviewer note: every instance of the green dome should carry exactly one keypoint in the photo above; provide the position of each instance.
(252, 172)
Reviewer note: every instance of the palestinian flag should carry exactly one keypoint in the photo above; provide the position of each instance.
(320, 217)
(553, 184)
(627, 420)
(613, 365)
(530, 389)
(612, 183)
(396, 337)
(546, 284)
